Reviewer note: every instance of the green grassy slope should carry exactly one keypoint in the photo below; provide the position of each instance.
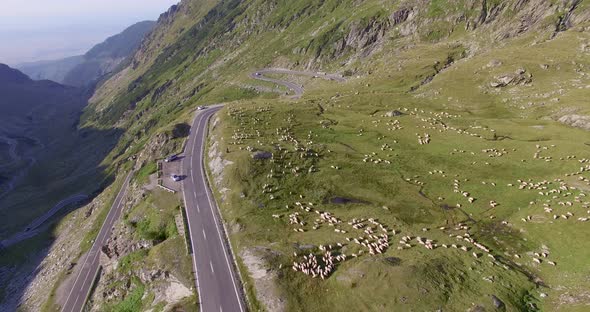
(438, 63)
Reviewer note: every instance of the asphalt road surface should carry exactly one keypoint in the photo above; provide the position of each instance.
(216, 279)
(217, 283)
(87, 272)
(34, 227)
(297, 89)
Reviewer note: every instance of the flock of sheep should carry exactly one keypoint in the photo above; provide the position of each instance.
(369, 236)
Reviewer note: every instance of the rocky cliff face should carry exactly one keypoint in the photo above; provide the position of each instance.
(342, 37)
(170, 26)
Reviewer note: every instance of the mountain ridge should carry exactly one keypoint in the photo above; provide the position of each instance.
(11, 75)
(100, 60)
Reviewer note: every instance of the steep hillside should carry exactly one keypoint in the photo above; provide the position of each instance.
(238, 36)
(105, 57)
(46, 159)
(449, 145)
(99, 61)
(49, 156)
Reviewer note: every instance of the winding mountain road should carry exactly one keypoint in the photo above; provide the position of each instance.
(89, 266)
(217, 282)
(297, 89)
(34, 227)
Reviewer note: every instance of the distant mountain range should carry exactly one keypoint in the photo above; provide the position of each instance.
(20, 96)
(102, 59)
(33, 114)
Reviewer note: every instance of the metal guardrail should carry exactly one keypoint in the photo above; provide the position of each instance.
(92, 289)
(187, 236)
(167, 189)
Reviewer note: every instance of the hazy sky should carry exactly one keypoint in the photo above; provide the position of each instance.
(32, 30)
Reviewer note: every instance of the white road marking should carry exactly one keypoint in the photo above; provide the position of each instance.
(99, 240)
(204, 234)
(211, 203)
(193, 149)
(189, 227)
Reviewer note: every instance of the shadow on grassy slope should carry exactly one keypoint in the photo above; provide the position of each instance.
(79, 166)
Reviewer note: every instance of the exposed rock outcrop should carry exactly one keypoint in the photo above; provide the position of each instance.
(256, 261)
(216, 162)
(399, 16)
(165, 21)
(121, 244)
(571, 17)
(494, 63)
(361, 36)
(578, 121)
(393, 113)
(498, 304)
(519, 77)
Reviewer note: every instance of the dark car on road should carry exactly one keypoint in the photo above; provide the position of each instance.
(176, 177)
(171, 158)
